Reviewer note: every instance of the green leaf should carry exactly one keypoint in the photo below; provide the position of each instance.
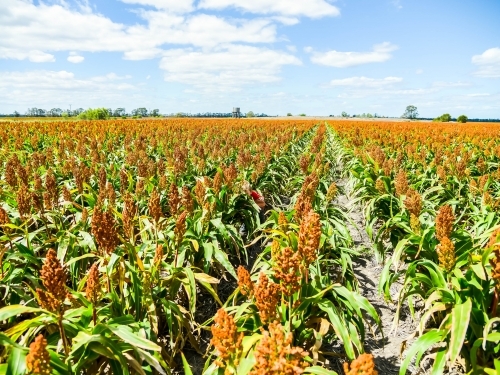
(245, 365)
(224, 261)
(439, 362)
(420, 346)
(73, 260)
(338, 326)
(126, 334)
(460, 317)
(16, 364)
(319, 371)
(185, 365)
(13, 310)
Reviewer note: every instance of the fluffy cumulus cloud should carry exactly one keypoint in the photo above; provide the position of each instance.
(75, 58)
(488, 63)
(309, 8)
(48, 88)
(25, 27)
(380, 53)
(225, 68)
(366, 82)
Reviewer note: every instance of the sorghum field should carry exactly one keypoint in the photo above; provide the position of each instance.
(131, 247)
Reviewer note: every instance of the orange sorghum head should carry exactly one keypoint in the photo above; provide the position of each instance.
(244, 282)
(23, 198)
(158, 256)
(187, 200)
(495, 261)
(363, 365)
(282, 221)
(379, 185)
(128, 215)
(267, 296)
(287, 264)
(53, 277)
(226, 339)
(331, 192)
(104, 230)
(275, 355)
(444, 222)
(180, 226)
(199, 192)
(154, 206)
(309, 237)
(93, 284)
(4, 217)
(413, 202)
(38, 358)
(446, 254)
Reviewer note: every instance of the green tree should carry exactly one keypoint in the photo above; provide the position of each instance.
(94, 114)
(250, 114)
(462, 118)
(345, 114)
(410, 112)
(446, 117)
(302, 114)
(289, 114)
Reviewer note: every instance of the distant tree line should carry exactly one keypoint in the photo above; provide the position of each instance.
(118, 112)
(58, 112)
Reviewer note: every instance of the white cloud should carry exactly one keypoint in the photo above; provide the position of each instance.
(40, 57)
(75, 58)
(25, 27)
(380, 53)
(51, 88)
(225, 68)
(309, 8)
(444, 84)
(177, 6)
(478, 95)
(32, 55)
(366, 82)
(203, 30)
(488, 63)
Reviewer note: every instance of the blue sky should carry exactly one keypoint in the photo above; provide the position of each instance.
(317, 57)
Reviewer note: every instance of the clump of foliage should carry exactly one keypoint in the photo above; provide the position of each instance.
(94, 114)
(446, 117)
(462, 119)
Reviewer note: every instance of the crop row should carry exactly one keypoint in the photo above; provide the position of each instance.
(431, 201)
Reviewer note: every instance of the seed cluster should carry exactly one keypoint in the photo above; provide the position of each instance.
(286, 269)
(267, 297)
(363, 365)
(444, 222)
(226, 339)
(93, 288)
(244, 282)
(309, 237)
(104, 231)
(275, 355)
(53, 277)
(38, 358)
